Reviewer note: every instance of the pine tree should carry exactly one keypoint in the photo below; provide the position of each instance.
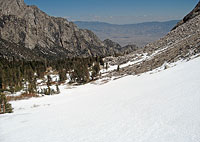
(118, 68)
(106, 66)
(57, 89)
(1, 80)
(101, 61)
(62, 75)
(5, 107)
(95, 70)
(49, 80)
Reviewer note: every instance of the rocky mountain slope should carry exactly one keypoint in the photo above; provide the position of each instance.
(139, 34)
(182, 43)
(46, 36)
(9, 50)
(192, 14)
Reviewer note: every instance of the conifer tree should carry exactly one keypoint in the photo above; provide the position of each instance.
(106, 66)
(1, 80)
(62, 75)
(118, 68)
(95, 70)
(57, 89)
(5, 107)
(49, 80)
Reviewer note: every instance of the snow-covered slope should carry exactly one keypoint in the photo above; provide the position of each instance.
(159, 107)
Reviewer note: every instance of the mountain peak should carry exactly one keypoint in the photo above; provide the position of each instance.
(46, 36)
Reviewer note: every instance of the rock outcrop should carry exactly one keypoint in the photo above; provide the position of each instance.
(192, 14)
(118, 49)
(45, 35)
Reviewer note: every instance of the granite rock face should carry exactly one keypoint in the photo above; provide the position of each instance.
(47, 36)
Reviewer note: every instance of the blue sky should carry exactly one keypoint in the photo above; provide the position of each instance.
(116, 11)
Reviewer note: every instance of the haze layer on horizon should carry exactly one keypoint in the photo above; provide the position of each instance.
(116, 11)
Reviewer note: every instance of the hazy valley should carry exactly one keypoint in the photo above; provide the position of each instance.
(139, 34)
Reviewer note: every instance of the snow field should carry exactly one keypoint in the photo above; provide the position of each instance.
(159, 107)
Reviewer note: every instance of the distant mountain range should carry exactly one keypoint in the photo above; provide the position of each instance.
(139, 34)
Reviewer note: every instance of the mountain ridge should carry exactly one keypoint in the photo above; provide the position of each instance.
(195, 12)
(96, 22)
(139, 34)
